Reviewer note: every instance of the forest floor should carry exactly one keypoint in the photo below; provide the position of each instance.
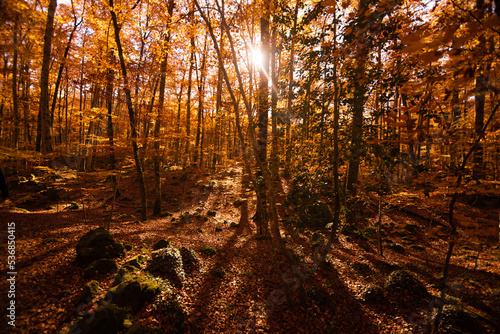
(259, 290)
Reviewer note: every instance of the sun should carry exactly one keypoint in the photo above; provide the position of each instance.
(257, 57)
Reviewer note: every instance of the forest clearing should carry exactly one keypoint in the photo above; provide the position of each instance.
(240, 166)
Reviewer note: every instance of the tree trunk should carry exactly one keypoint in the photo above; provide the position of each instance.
(15, 100)
(200, 77)
(161, 99)
(357, 119)
(188, 104)
(131, 113)
(110, 77)
(262, 117)
(44, 136)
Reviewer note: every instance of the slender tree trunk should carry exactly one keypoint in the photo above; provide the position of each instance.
(262, 118)
(200, 77)
(44, 136)
(63, 64)
(188, 103)
(131, 112)
(291, 68)
(480, 98)
(161, 99)
(15, 100)
(274, 106)
(110, 78)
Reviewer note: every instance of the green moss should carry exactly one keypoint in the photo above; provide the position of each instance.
(162, 243)
(136, 262)
(90, 290)
(133, 292)
(207, 250)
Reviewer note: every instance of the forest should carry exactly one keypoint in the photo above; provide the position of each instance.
(239, 166)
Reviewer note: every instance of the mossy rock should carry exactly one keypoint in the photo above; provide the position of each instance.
(136, 262)
(372, 293)
(133, 292)
(122, 275)
(211, 213)
(101, 267)
(162, 243)
(190, 260)
(168, 263)
(139, 328)
(316, 215)
(175, 314)
(218, 229)
(237, 202)
(455, 320)
(402, 283)
(106, 319)
(98, 244)
(90, 290)
(234, 225)
(218, 272)
(208, 250)
(398, 248)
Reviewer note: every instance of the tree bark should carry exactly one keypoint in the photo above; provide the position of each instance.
(131, 112)
(161, 99)
(44, 135)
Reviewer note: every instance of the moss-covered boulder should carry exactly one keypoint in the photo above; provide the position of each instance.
(133, 292)
(175, 314)
(90, 290)
(455, 320)
(101, 267)
(403, 285)
(106, 319)
(372, 293)
(316, 215)
(139, 328)
(167, 262)
(190, 260)
(136, 262)
(98, 244)
(162, 243)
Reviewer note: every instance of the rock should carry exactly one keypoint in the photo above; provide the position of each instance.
(106, 319)
(101, 267)
(90, 290)
(457, 321)
(234, 225)
(98, 244)
(316, 215)
(136, 262)
(372, 293)
(168, 263)
(208, 250)
(133, 292)
(190, 260)
(400, 283)
(162, 243)
(211, 213)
